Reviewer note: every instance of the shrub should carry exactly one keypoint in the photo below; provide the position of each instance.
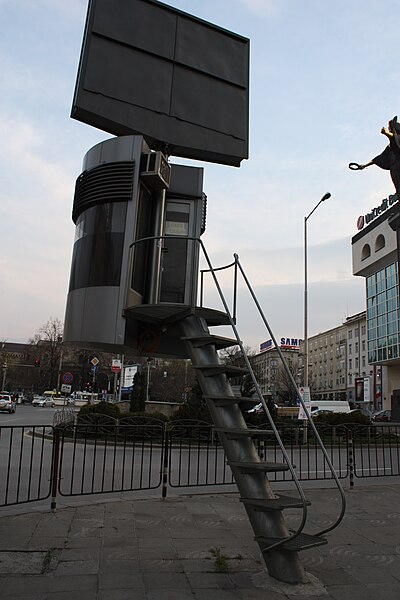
(195, 408)
(97, 419)
(356, 418)
(142, 418)
(102, 408)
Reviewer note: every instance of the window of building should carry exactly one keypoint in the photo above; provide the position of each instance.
(366, 252)
(362, 329)
(350, 334)
(356, 347)
(350, 363)
(379, 242)
(350, 349)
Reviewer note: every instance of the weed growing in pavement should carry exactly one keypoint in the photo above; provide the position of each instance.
(221, 561)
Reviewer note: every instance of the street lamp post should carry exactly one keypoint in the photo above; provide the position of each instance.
(324, 197)
(4, 376)
(148, 378)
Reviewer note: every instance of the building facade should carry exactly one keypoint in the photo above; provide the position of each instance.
(338, 364)
(375, 257)
(270, 373)
(337, 360)
(327, 358)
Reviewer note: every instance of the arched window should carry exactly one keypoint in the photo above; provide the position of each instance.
(366, 252)
(379, 242)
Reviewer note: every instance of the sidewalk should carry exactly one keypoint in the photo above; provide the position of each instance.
(196, 547)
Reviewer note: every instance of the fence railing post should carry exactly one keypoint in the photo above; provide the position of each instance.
(350, 447)
(55, 468)
(165, 462)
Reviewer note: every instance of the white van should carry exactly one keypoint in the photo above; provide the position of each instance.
(337, 406)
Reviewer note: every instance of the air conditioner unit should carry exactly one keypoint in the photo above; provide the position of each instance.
(155, 170)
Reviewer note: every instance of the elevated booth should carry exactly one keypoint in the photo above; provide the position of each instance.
(135, 258)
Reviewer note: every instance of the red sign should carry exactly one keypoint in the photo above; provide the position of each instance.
(67, 377)
(116, 365)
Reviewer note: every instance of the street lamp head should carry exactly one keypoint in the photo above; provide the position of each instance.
(326, 197)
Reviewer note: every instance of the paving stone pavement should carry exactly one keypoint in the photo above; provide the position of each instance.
(197, 547)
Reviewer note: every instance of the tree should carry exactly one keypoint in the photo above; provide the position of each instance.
(138, 395)
(233, 354)
(195, 407)
(170, 381)
(285, 389)
(46, 344)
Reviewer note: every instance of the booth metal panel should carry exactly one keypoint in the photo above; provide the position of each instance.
(147, 68)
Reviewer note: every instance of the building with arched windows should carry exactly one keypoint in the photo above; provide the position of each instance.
(375, 257)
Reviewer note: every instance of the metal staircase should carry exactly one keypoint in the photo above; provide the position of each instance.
(278, 543)
(265, 509)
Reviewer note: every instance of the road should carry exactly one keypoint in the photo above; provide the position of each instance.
(94, 469)
(26, 414)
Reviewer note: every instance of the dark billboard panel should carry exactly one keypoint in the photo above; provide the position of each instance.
(147, 68)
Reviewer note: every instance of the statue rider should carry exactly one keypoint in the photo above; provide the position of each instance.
(389, 159)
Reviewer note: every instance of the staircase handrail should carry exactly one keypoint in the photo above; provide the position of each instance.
(309, 418)
(285, 454)
(222, 268)
(267, 412)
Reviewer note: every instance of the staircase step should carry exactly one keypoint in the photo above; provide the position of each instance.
(254, 467)
(229, 400)
(303, 541)
(198, 341)
(237, 433)
(278, 503)
(217, 369)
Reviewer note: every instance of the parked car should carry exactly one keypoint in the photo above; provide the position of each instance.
(382, 416)
(7, 403)
(43, 401)
(361, 411)
(321, 412)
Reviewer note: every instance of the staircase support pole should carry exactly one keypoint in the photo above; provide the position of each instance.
(282, 564)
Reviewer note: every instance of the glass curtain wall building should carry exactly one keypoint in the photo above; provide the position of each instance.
(383, 314)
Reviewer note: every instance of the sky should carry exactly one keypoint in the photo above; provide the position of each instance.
(323, 82)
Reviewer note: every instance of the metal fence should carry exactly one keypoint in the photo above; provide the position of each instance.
(108, 456)
(96, 459)
(376, 450)
(26, 464)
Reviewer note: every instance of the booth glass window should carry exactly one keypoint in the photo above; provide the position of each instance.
(98, 246)
(175, 256)
(141, 251)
